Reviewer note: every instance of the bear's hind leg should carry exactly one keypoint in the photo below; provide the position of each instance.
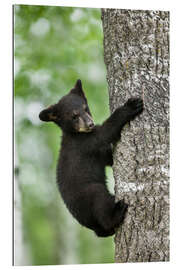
(102, 233)
(107, 213)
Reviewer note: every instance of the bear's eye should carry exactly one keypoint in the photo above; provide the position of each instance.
(75, 116)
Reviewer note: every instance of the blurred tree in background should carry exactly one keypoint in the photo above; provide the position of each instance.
(54, 46)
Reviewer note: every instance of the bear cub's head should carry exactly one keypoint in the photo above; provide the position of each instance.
(71, 113)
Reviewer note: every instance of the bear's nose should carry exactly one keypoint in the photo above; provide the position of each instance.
(91, 125)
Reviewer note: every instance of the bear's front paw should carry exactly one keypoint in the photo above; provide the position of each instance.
(134, 106)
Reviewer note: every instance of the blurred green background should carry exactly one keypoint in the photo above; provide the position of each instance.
(54, 46)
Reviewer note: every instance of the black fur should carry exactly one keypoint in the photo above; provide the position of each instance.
(85, 151)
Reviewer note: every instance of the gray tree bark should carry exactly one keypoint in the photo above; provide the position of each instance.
(136, 54)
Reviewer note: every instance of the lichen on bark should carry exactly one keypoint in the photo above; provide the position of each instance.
(136, 54)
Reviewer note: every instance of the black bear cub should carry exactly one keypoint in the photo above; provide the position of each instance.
(85, 151)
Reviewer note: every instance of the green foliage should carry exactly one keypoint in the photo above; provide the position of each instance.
(54, 46)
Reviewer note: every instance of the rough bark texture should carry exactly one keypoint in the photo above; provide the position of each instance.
(136, 53)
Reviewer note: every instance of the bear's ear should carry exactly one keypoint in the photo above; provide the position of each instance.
(78, 85)
(48, 114)
(78, 89)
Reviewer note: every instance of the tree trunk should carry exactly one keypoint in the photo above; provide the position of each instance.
(136, 53)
